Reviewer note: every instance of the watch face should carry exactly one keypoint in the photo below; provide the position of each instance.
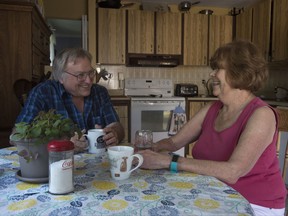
(175, 158)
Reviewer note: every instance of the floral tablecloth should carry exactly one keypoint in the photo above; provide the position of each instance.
(96, 193)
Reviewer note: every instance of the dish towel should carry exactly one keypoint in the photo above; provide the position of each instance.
(178, 119)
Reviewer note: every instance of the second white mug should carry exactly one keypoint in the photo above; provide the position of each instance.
(121, 160)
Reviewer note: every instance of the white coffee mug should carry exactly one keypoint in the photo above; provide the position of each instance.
(96, 143)
(121, 160)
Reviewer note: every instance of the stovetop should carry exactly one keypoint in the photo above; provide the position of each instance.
(148, 87)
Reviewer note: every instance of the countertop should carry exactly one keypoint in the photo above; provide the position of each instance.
(272, 102)
(118, 95)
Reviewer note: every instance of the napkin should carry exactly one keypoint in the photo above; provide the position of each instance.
(178, 119)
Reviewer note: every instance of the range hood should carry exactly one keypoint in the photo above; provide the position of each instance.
(153, 60)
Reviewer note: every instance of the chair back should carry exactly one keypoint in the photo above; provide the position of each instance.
(21, 89)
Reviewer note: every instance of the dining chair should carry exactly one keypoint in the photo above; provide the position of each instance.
(21, 89)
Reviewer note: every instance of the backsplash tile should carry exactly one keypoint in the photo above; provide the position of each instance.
(186, 74)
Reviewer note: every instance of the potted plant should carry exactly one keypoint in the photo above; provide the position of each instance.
(32, 138)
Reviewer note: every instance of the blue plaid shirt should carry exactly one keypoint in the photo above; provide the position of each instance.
(98, 108)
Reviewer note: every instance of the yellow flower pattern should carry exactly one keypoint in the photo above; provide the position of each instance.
(181, 185)
(26, 186)
(141, 184)
(63, 198)
(235, 196)
(151, 197)
(115, 205)
(21, 205)
(104, 185)
(206, 204)
(146, 192)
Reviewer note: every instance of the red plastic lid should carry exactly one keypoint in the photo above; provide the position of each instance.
(60, 145)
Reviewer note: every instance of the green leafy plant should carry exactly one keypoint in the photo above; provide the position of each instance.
(45, 126)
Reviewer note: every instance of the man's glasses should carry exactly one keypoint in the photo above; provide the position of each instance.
(83, 76)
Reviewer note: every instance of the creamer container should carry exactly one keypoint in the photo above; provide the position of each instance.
(61, 163)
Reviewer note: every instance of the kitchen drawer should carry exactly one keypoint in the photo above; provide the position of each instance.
(41, 35)
(38, 62)
(283, 118)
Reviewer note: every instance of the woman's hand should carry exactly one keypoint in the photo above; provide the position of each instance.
(154, 160)
(80, 143)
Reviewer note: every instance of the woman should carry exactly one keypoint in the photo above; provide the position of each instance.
(236, 136)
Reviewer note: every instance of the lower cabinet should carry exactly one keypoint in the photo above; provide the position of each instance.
(193, 108)
(122, 108)
(282, 144)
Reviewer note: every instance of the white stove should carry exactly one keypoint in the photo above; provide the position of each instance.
(149, 87)
(152, 106)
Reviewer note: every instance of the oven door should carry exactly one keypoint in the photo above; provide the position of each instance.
(155, 115)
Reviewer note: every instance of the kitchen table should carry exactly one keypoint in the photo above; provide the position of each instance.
(146, 192)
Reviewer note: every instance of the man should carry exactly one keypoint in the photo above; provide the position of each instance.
(71, 93)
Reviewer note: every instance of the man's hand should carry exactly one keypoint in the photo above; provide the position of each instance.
(114, 133)
(80, 143)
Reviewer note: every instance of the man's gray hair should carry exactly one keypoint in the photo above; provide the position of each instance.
(64, 57)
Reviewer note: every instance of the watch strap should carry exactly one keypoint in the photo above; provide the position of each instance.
(174, 164)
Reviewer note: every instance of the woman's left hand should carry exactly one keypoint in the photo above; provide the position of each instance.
(154, 160)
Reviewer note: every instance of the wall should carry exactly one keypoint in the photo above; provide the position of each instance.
(195, 75)
(180, 74)
(65, 9)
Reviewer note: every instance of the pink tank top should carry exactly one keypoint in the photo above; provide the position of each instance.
(263, 185)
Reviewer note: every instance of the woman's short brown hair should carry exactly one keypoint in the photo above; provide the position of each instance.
(246, 67)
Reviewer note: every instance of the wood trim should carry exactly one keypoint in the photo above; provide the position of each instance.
(92, 26)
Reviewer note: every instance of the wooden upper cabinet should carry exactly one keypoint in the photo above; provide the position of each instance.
(244, 25)
(261, 26)
(280, 31)
(168, 33)
(195, 49)
(220, 32)
(140, 32)
(111, 36)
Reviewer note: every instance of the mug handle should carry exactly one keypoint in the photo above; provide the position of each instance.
(86, 136)
(140, 161)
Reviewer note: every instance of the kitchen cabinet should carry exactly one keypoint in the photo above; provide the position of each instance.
(154, 33)
(195, 48)
(193, 107)
(122, 107)
(261, 26)
(280, 30)
(258, 20)
(141, 32)
(203, 34)
(168, 33)
(244, 25)
(24, 39)
(220, 32)
(111, 36)
(282, 144)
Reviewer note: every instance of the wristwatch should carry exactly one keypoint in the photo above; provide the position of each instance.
(174, 164)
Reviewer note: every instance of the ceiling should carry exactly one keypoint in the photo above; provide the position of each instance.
(204, 3)
(72, 28)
